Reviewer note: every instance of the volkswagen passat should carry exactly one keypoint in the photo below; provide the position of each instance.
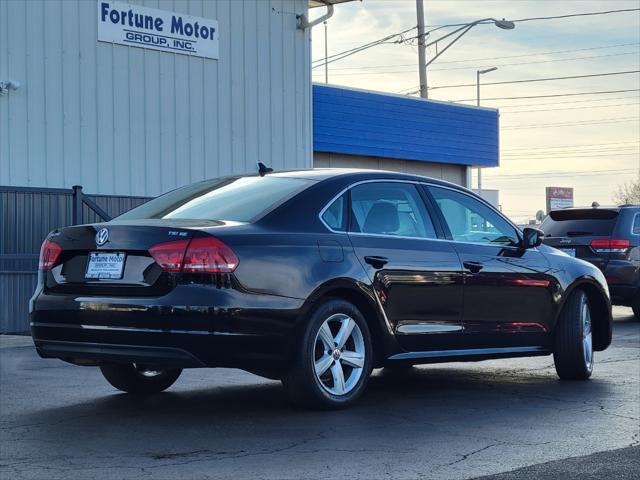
(315, 278)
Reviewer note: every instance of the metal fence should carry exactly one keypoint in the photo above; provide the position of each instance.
(26, 216)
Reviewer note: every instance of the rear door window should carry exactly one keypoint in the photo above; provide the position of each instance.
(580, 223)
(393, 208)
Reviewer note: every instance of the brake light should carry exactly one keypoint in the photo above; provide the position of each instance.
(200, 255)
(209, 255)
(169, 255)
(49, 253)
(612, 245)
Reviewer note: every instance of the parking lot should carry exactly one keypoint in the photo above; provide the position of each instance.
(463, 420)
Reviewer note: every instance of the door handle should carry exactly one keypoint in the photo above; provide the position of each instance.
(376, 262)
(473, 267)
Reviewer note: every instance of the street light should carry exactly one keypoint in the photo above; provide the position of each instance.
(478, 73)
(422, 46)
(502, 24)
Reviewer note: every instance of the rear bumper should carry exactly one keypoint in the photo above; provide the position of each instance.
(193, 326)
(85, 352)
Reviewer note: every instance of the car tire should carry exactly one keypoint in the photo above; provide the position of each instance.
(636, 308)
(140, 379)
(323, 376)
(573, 345)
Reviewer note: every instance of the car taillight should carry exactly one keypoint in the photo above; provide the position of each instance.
(49, 253)
(612, 245)
(169, 255)
(209, 255)
(200, 255)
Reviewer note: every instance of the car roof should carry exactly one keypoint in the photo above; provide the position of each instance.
(585, 209)
(357, 174)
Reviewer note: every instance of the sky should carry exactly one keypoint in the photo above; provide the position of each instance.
(596, 145)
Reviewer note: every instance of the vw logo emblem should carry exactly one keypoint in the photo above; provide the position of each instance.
(102, 236)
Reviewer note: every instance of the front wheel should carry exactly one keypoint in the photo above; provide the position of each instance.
(573, 345)
(140, 379)
(334, 359)
(636, 307)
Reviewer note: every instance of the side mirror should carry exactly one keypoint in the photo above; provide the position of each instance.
(532, 237)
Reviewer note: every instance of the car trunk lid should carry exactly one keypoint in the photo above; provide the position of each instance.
(578, 232)
(114, 259)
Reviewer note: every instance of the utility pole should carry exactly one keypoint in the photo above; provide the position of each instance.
(422, 50)
(326, 55)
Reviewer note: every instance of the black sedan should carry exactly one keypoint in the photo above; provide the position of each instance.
(315, 278)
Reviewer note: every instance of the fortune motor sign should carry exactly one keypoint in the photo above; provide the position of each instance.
(144, 27)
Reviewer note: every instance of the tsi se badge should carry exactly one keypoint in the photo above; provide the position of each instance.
(102, 236)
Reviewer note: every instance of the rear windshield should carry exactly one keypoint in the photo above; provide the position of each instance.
(239, 199)
(580, 223)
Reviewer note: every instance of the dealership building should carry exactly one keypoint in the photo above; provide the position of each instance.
(130, 100)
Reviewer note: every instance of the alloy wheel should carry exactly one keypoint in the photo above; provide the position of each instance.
(587, 342)
(339, 354)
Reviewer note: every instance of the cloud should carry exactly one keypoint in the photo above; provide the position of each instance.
(393, 68)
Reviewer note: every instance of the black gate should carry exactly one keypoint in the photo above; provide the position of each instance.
(26, 216)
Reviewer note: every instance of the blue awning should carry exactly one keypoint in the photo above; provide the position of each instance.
(359, 122)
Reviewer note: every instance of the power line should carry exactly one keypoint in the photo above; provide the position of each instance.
(572, 124)
(572, 15)
(569, 101)
(530, 153)
(571, 146)
(347, 53)
(558, 174)
(603, 92)
(482, 66)
(571, 108)
(531, 19)
(568, 157)
(530, 80)
(495, 58)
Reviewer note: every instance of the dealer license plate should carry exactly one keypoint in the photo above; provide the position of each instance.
(570, 251)
(105, 265)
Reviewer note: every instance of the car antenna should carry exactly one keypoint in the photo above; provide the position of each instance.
(263, 169)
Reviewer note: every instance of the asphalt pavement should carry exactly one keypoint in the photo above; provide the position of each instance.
(509, 419)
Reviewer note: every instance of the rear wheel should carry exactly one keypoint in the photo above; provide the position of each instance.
(573, 348)
(140, 379)
(636, 307)
(334, 360)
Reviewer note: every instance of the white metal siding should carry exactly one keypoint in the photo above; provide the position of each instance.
(130, 121)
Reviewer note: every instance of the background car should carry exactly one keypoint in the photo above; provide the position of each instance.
(315, 278)
(608, 237)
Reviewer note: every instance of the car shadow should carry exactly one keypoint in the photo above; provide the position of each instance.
(452, 398)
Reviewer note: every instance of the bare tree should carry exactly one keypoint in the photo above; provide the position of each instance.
(628, 193)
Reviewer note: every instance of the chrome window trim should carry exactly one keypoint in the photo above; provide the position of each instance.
(483, 201)
(416, 182)
(344, 190)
